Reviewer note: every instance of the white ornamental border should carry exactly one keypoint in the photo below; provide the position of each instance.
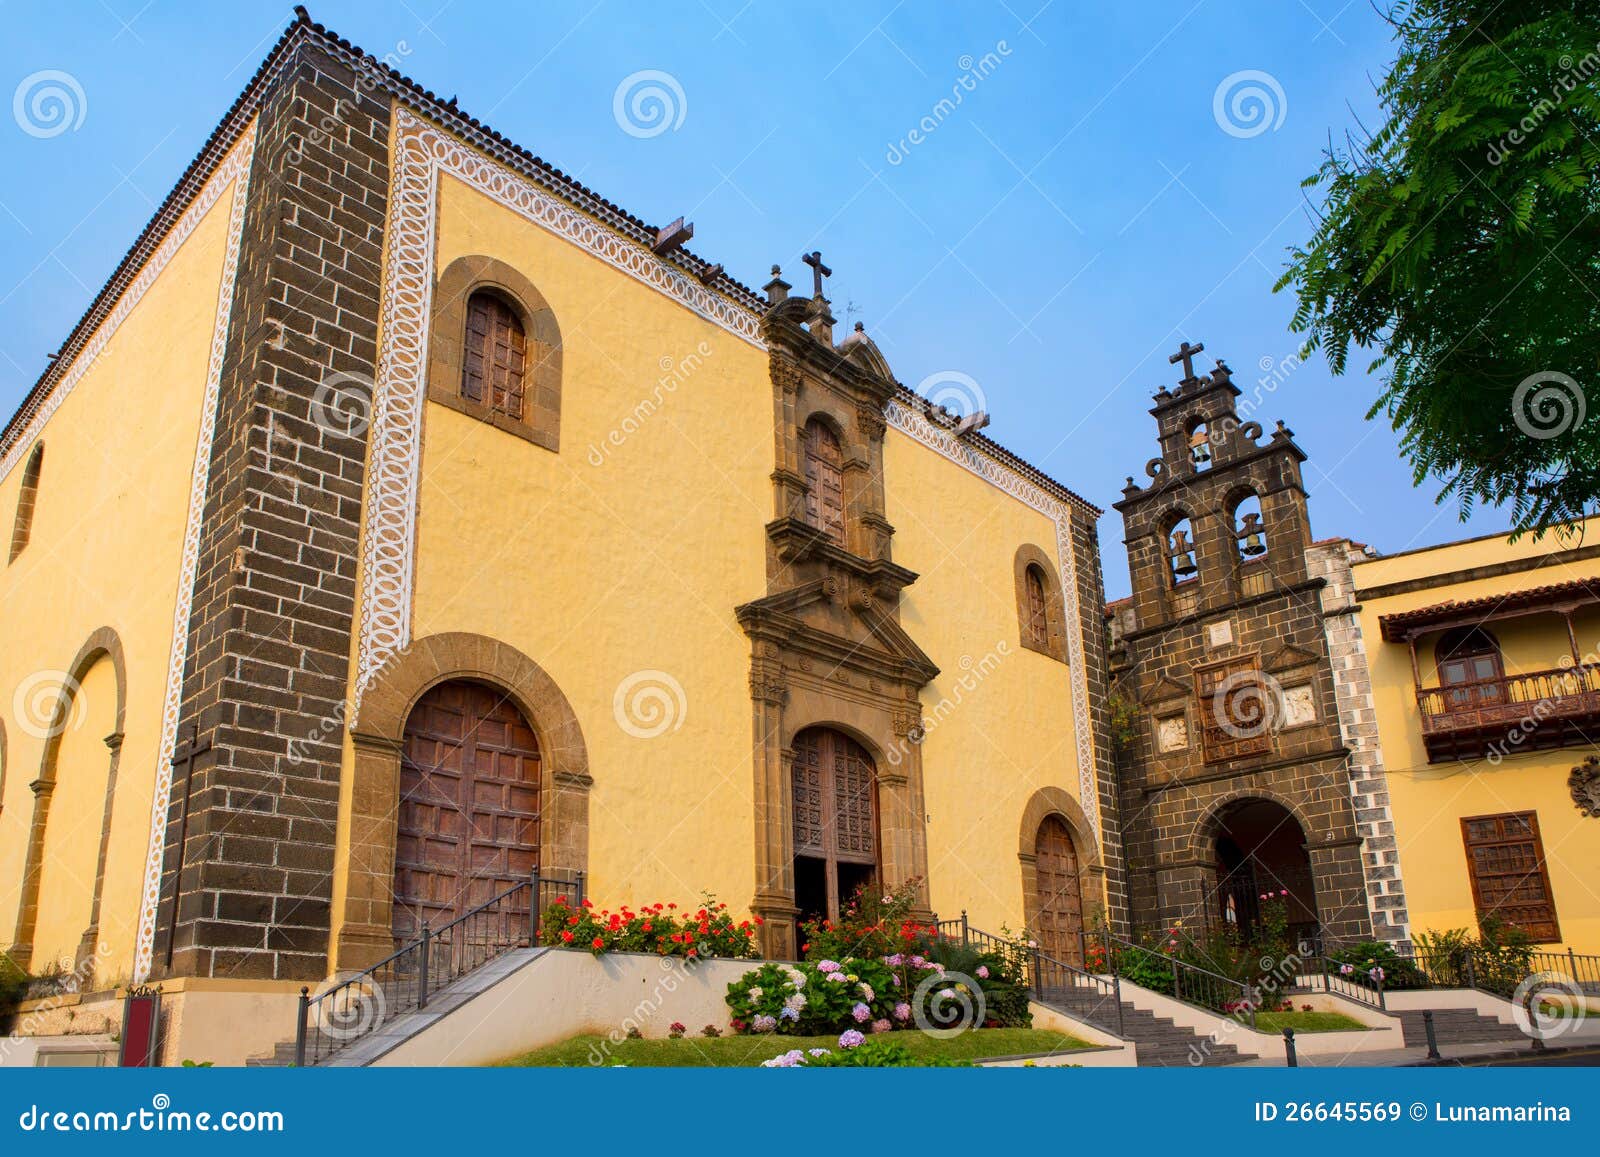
(422, 151)
(233, 170)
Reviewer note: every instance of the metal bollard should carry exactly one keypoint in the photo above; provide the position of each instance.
(1288, 1048)
(1433, 1043)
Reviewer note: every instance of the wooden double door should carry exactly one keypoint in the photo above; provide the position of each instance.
(1056, 876)
(469, 807)
(835, 821)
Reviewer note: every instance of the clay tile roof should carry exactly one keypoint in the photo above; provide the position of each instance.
(1402, 623)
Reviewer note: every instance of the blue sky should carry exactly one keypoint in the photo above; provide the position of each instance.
(1086, 205)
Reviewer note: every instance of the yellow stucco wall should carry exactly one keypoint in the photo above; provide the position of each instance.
(1011, 731)
(602, 564)
(1429, 800)
(105, 552)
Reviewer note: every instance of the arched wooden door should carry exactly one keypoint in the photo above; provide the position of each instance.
(469, 805)
(1060, 917)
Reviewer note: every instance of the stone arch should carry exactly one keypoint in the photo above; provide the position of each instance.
(1058, 803)
(378, 735)
(541, 415)
(102, 644)
(1055, 644)
(1210, 822)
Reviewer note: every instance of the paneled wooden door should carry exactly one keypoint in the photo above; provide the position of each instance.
(1060, 918)
(469, 805)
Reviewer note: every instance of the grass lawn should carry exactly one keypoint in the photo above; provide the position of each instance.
(740, 1051)
(1307, 1022)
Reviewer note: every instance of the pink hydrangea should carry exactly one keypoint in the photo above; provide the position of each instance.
(983, 972)
(850, 1039)
(902, 1011)
(882, 1024)
(861, 1013)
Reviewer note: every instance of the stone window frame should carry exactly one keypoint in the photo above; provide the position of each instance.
(824, 420)
(377, 734)
(27, 502)
(541, 406)
(1030, 556)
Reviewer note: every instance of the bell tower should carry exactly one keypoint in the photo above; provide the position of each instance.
(1235, 783)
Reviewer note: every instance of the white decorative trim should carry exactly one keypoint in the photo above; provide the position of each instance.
(422, 151)
(1029, 493)
(233, 170)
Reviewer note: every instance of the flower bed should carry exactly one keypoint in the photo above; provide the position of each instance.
(877, 971)
(703, 933)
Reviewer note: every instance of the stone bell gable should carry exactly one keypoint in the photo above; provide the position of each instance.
(1235, 781)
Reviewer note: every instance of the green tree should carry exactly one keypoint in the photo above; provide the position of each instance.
(1459, 242)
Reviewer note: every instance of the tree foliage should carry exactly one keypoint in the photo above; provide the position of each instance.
(1459, 242)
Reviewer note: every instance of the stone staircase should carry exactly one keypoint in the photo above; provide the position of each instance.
(1457, 1026)
(396, 1030)
(1161, 1043)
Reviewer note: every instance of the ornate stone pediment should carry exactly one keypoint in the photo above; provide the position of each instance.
(838, 625)
(1289, 656)
(1164, 690)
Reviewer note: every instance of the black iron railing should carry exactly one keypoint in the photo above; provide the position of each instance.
(405, 980)
(1172, 977)
(1094, 999)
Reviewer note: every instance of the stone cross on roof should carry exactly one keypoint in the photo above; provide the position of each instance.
(818, 270)
(1185, 355)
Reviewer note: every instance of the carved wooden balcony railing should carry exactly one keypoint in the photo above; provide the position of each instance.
(1512, 713)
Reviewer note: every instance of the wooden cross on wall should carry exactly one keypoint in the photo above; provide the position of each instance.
(818, 270)
(1185, 355)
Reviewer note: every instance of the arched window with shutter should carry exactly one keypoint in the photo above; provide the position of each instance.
(1038, 621)
(27, 498)
(824, 466)
(494, 356)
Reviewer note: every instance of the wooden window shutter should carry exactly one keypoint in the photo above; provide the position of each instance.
(824, 461)
(495, 357)
(1038, 624)
(1510, 879)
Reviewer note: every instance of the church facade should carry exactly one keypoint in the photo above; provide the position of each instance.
(480, 528)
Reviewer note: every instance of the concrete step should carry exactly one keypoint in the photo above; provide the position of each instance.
(1161, 1043)
(1456, 1026)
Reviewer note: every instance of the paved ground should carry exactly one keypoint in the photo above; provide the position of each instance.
(1493, 1054)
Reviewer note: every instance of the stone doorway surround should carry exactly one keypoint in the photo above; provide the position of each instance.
(378, 736)
(1058, 803)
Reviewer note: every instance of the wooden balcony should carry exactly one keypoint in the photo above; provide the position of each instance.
(1513, 713)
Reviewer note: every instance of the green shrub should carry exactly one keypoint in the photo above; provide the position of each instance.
(13, 985)
(1399, 972)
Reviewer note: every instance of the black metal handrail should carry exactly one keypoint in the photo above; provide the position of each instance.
(1094, 999)
(405, 980)
(1191, 984)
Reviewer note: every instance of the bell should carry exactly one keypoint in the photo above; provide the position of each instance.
(1253, 545)
(1200, 446)
(1183, 565)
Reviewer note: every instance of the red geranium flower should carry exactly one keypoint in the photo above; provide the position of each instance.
(566, 937)
(598, 943)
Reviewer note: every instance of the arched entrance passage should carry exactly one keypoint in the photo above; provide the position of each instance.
(1059, 921)
(835, 817)
(1260, 849)
(469, 805)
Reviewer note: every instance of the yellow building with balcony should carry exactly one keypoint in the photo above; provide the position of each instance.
(1484, 663)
